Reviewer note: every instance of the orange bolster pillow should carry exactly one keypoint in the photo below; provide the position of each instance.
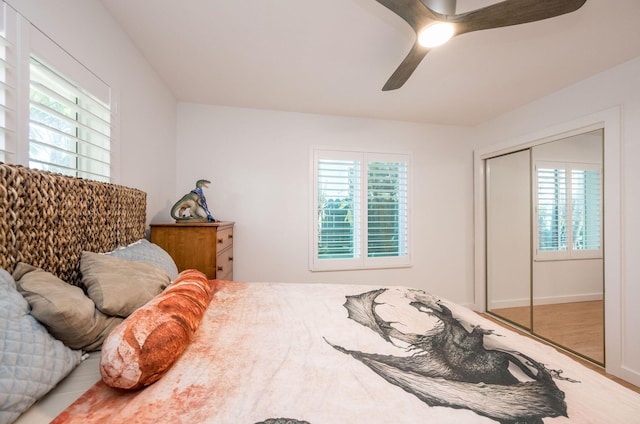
(144, 346)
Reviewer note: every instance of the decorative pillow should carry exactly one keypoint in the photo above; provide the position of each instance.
(68, 314)
(145, 251)
(118, 286)
(33, 362)
(143, 348)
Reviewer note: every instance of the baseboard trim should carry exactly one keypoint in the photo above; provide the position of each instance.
(549, 300)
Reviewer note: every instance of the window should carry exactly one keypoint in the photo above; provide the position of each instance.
(55, 113)
(8, 74)
(69, 129)
(361, 214)
(568, 211)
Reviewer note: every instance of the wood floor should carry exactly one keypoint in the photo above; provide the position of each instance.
(581, 329)
(576, 326)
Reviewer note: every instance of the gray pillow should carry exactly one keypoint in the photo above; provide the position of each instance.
(118, 286)
(33, 361)
(145, 251)
(68, 314)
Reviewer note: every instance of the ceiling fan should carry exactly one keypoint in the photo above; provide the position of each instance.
(437, 19)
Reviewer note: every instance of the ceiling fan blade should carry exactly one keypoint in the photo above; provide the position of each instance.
(504, 13)
(406, 68)
(512, 12)
(418, 16)
(414, 12)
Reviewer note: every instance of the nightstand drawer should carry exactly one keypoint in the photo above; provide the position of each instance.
(224, 265)
(224, 239)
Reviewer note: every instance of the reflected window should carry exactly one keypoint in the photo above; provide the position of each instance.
(568, 211)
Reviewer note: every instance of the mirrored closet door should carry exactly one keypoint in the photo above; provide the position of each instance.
(508, 199)
(544, 241)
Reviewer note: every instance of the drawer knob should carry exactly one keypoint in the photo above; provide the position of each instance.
(220, 268)
(230, 258)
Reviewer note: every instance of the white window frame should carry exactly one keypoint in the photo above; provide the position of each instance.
(8, 83)
(361, 259)
(569, 253)
(32, 41)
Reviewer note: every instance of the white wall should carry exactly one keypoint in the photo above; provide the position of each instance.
(259, 165)
(596, 96)
(567, 281)
(145, 152)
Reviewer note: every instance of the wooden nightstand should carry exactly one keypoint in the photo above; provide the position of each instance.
(207, 247)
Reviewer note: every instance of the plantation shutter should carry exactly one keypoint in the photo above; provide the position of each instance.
(69, 128)
(586, 206)
(569, 211)
(552, 209)
(387, 209)
(338, 195)
(361, 214)
(8, 83)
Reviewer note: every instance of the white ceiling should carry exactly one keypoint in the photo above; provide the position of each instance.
(333, 56)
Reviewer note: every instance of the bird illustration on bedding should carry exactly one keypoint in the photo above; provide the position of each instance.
(449, 365)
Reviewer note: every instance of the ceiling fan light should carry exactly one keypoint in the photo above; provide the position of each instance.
(435, 35)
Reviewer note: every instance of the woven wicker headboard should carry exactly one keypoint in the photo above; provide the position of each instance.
(49, 219)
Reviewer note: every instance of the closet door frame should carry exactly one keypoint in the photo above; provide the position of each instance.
(610, 120)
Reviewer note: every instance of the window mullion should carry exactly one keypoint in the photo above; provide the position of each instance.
(363, 248)
(569, 207)
(357, 213)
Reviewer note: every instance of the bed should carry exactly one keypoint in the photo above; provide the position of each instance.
(316, 353)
